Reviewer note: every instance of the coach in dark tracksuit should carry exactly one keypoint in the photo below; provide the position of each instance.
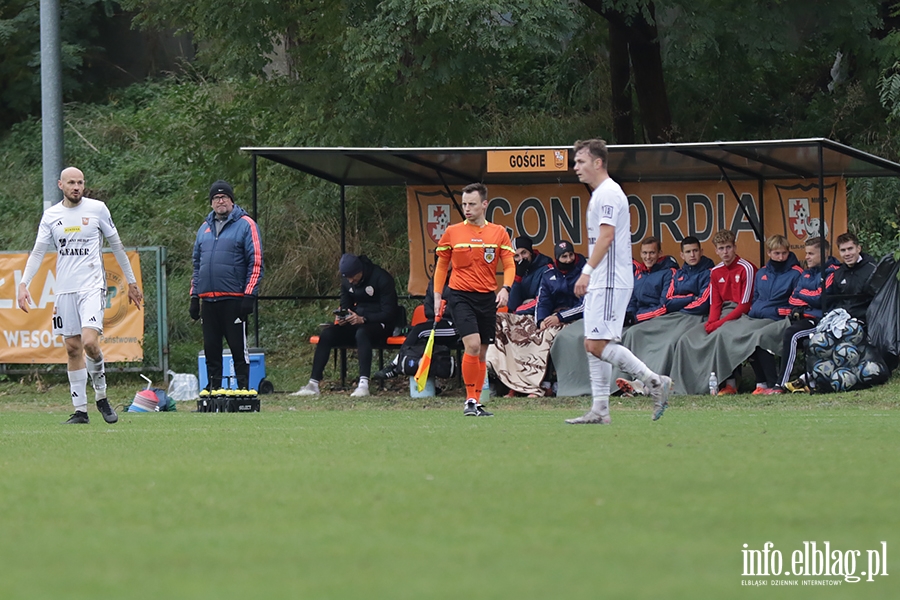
(228, 268)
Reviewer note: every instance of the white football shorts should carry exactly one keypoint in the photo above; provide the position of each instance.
(78, 310)
(604, 313)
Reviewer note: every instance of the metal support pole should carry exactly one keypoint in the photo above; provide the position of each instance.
(343, 220)
(51, 102)
(762, 224)
(255, 218)
(822, 225)
(162, 303)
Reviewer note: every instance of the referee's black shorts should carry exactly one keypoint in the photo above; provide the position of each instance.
(474, 312)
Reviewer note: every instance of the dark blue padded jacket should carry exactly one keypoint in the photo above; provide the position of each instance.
(808, 292)
(648, 296)
(772, 289)
(557, 293)
(524, 291)
(228, 265)
(688, 289)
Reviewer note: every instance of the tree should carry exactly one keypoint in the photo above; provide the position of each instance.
(391, 71)
(634, 41)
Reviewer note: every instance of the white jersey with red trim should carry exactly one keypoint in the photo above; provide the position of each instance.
(77, 234)
(609, 206)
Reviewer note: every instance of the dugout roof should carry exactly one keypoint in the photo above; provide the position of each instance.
(750, 160)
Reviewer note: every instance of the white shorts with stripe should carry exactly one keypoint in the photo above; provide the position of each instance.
(75, 311)
(604, 313)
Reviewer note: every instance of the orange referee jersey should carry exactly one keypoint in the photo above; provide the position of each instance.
(474, 253)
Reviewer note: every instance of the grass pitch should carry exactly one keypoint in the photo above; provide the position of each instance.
(375, 500)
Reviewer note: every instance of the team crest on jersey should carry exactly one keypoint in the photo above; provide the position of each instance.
(737, 278)
(490, 254)
(438, 220)
(85, 220)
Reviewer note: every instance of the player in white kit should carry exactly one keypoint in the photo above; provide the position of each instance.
(76, 228)
(606, 282)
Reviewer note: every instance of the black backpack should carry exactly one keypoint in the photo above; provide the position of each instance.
(442, 364)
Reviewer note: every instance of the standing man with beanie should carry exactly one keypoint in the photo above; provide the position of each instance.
(365, 319)
(228, 268)
(76, 227)
(474, 248)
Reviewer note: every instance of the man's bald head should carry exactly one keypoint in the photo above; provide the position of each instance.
(71, 182)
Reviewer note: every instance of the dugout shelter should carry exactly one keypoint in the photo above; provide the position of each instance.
(795, 187)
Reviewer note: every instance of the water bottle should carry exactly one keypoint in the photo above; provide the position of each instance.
(713, 384)
(485, 390)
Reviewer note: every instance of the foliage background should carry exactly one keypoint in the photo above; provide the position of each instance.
(417, 73)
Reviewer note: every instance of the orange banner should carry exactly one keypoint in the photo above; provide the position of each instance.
(669, 211)
(28, 338)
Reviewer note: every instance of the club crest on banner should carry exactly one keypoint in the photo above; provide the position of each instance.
(802, 225)
(801, 210)
(559, 159)
(438, 221)
(798, 216)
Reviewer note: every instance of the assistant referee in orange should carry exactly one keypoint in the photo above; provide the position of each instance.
(474, 248)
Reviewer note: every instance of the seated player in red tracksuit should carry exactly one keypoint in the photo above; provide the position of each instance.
(729, 281)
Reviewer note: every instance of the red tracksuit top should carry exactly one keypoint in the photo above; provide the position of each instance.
(732, 283)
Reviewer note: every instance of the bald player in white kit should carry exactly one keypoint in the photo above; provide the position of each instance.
(606, 282)
(76, 228)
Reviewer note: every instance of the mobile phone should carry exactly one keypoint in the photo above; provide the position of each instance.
(342, 313)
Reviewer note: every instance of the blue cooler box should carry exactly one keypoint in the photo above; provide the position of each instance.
(229, 381)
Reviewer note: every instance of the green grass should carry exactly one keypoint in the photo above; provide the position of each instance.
(401, 498)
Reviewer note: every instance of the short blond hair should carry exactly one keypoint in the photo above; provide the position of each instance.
(777, 241)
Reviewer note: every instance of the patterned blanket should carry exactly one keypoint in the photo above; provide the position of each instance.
(518, 356)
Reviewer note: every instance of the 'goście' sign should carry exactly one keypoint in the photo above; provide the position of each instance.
(524, 161)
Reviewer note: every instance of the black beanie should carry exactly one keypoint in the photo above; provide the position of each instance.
(350, 265)
(221, 187)
(563, 247)
(523, 241)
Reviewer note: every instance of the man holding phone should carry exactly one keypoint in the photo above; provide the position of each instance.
(366, 318)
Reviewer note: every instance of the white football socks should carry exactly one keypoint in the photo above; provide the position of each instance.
(623, 358)
(78, 388)
(97, 370)
(601, 373)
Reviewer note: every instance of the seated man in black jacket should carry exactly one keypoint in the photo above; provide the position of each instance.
(848, 287)
(367, 316)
